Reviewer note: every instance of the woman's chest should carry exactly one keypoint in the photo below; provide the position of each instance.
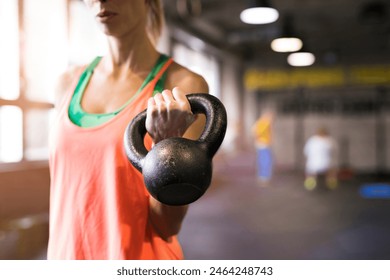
(109, 95)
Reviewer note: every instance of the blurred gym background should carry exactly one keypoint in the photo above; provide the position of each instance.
(345, 86)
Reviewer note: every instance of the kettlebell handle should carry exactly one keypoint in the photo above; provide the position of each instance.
(210, 139)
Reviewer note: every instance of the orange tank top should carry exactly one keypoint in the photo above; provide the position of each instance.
(99, 205)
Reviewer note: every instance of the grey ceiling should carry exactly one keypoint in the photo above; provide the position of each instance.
(333, 29)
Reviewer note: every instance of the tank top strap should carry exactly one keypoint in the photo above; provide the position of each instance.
(158, 72)
(159, 87)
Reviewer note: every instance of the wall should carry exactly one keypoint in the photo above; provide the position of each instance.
(231, 96)
(357, 119)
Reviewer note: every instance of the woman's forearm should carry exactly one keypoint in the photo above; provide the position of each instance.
(166, 219)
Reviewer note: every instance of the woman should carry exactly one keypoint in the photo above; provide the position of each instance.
(100, 208)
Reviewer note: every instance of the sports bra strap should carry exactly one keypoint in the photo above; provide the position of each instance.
(93, 64)
(81, 118)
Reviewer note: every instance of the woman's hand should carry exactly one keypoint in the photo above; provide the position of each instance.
(168, 115)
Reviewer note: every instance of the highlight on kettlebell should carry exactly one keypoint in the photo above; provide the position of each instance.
(178, 171)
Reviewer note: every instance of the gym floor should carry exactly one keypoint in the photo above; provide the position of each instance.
(239, 219)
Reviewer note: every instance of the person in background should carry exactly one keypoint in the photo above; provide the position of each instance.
(262, 132)
(99, 206)
(320, 152)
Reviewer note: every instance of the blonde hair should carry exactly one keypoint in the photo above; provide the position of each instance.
(155, 19)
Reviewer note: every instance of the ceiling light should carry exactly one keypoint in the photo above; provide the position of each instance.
(299, 59)
(286, 44)
(287, 41)
(259, 12)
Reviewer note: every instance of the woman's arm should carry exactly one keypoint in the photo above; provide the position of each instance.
(171, 111)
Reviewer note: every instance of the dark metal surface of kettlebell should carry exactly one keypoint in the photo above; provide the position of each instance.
(178, 171)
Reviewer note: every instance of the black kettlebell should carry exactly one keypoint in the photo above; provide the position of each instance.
(178, 171)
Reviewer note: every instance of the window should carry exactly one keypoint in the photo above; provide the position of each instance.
(43, 46)
(11, 134)
(32, 53)
(39, 39)
(38, 123)
(9, 50)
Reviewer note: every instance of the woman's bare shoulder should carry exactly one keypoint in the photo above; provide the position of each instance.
(187, 80)
(66, 81)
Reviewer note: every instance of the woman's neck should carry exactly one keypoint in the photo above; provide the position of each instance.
(131, 52)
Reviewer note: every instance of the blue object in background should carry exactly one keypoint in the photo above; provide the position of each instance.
(376, 190)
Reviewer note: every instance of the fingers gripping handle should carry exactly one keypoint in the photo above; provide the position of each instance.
(210, 139)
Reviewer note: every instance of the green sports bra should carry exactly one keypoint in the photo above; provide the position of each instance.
(83, 119)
